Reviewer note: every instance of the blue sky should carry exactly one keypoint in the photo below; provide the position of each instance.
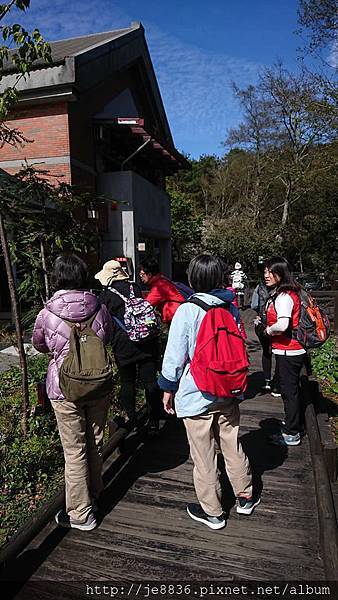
(198, 48)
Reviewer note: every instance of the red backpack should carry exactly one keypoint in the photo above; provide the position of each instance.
(220, 362)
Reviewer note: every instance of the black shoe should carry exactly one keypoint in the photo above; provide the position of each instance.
(196, 512)
(267, 386)
(120, 421)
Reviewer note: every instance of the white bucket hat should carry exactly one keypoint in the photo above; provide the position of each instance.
(111, 271)
(238, 265)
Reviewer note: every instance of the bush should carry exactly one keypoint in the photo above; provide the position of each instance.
(325, 366)
(31, 467)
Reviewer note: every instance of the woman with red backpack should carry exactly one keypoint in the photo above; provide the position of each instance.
(209, 418)
(282, 316)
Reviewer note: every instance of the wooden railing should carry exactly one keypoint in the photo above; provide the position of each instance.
(328, 300)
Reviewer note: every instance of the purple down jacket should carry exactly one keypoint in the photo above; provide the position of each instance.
(51, 334)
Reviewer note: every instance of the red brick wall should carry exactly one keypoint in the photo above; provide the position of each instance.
(47, 126)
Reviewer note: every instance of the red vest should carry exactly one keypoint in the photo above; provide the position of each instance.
(284, 340)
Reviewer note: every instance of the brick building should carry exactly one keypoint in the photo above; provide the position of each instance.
(95, 118)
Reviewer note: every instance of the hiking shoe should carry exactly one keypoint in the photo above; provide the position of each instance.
(245, 506)
(64, 520)
(302, 431)
(276, 393)
(284, 439)
(267, 386)
(196, 512)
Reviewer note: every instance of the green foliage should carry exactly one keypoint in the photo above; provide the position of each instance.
(186, 226)
(30, 467)
(324, 362)
(53, 218)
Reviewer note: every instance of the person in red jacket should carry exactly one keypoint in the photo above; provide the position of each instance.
(163, 294)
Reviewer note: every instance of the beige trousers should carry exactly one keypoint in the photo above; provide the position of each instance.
(81, 427)
(203, 431)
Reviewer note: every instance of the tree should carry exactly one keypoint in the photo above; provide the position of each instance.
(257, 135)
(9, 197)
(319, 18)
(27, 48)
(284, 120)
(186, 226)
(59, 224)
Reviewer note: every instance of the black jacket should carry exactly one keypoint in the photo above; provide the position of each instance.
(126, 351)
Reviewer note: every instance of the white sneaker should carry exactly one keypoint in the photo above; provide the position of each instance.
(245, 506)
(64, 520)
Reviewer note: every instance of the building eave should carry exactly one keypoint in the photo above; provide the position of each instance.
(38, 79)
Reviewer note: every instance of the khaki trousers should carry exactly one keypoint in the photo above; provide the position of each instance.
(81, 427)
(203, 431)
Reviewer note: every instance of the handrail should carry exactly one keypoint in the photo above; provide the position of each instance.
(324, 500)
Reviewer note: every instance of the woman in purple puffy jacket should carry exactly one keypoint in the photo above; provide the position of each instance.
(80, 424)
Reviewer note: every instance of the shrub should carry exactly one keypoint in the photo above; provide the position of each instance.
(325, 366)
(30, 467)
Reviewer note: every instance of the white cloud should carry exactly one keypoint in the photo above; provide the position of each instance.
(196, 88)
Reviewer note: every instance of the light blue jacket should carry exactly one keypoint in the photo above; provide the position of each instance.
(176, 376)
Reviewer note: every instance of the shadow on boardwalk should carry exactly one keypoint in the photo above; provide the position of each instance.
(145, 533)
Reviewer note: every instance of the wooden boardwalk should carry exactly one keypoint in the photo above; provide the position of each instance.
(146, 534)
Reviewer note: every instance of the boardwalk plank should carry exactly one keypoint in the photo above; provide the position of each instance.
(146, 533)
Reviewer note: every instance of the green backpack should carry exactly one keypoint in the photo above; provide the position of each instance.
(86, 371)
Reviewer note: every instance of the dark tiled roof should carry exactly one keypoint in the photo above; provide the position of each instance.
(62, 48)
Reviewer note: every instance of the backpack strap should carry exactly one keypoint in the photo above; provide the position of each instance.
(206, 306)
(111, 289)
(118, 322)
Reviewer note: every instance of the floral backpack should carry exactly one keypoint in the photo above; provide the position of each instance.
(140, 319)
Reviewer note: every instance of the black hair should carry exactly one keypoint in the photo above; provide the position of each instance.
(70, 273)
(150, 266)
(278, 265)
(206, 273)
(226, 270)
